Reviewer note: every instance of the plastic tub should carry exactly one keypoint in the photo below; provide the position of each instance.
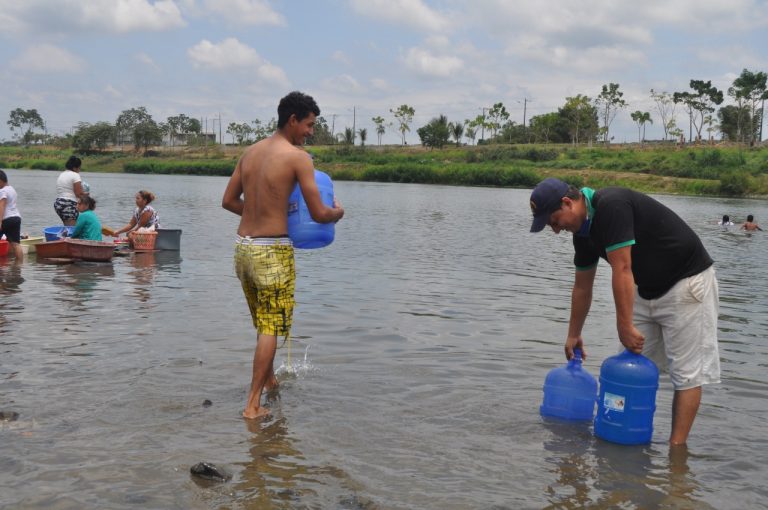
(4, 247)
(168, 239)
(54, 233)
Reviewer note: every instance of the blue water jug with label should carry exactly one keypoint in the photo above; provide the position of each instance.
(305, 232)
(569, 391)
(627, 399)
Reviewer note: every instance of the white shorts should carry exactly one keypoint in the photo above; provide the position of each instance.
(680, 330)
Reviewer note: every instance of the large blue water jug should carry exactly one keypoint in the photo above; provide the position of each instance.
(627, 399)
(302, 229)
(569, 391)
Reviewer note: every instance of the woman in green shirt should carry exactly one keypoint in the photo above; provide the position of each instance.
(88, 225)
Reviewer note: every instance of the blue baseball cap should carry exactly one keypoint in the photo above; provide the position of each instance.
(546, 198)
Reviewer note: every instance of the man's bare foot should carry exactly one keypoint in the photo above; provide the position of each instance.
(255, 414)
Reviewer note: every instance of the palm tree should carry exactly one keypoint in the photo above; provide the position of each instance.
(349, 136)
(470, 133)
(640, 119)
(363, 135)
(457, 130)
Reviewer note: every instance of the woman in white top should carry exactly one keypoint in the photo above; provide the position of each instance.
(69, 189)
(11, 219)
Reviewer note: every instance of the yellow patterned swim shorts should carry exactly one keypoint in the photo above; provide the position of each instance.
(267, 273)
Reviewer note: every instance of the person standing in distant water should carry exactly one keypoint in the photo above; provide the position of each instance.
(69, 188)
(726, 222)
(750, 224)
(11, 218)
(258, 191)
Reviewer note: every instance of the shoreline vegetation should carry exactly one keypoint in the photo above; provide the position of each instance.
(696, 169)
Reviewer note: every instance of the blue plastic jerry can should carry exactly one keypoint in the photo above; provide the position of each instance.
(570, 391)
(306, 233)
(627, 399)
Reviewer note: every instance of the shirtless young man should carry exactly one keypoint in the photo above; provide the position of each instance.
(258, 191)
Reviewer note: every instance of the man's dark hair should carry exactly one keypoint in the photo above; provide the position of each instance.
(295, 103)
(750, 218)
(3, 177)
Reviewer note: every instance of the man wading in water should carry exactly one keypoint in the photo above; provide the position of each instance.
(258, 191)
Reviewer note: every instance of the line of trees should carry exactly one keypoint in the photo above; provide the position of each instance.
(581, 119)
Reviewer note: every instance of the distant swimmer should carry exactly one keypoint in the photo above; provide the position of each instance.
(726, 222)
(750, 224)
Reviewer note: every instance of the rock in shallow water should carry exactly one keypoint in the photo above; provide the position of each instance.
(208, 471)
(9, 416)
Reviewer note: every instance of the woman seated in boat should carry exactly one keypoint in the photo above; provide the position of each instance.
(144, 216)
(88, 226)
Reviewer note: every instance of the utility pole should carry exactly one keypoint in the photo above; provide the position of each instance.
(221, 141)
(525, 108)
(333, 126)
(354, 133)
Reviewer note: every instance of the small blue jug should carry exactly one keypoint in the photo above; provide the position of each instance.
(627, 399)
(304, 232)
(570, 391)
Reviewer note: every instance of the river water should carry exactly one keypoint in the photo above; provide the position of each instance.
(422, 338)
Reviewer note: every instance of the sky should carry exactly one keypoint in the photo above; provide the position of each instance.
(228, 61)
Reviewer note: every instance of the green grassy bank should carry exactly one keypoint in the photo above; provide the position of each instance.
(695, 170)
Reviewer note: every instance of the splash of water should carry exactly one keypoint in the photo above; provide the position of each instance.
(295, 369)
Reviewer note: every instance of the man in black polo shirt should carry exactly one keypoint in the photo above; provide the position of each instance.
(663, 280)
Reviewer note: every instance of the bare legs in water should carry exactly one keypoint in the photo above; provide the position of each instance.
(263, 376)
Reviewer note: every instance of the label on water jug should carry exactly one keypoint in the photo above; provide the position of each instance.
(614, 402)
(293, 207)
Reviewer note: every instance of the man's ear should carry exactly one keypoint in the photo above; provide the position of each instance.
(567, 202)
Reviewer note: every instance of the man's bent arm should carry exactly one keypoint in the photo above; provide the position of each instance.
(581, 301)
(321, 213)
(623, 284)
(232, 200)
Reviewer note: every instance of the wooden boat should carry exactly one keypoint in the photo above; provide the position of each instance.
(52, 250)
(76, 249)
(93, 251)
(29, 244)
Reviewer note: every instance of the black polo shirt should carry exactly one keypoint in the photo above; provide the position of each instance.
(664, 248)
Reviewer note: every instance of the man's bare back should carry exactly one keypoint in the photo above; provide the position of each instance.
(268, 172)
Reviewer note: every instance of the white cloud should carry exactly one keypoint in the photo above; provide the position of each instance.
(340, 56)
(379, 84)
(428, 64)
(413, 13)
(146, 60)
(76, 16)
(47, 58)
(245, 12)
(231, 54)
(112, 91)
(343, 83)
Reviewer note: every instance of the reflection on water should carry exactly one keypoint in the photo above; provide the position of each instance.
(593, 473)
(433, 320)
